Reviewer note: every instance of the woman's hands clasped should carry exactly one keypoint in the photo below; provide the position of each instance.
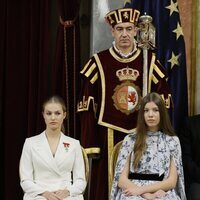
(57, 195)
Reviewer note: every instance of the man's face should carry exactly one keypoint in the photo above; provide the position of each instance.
(123, 34)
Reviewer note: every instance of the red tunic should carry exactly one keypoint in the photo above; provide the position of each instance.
(113, 87)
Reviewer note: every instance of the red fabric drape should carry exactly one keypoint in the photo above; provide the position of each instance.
(67, 61)
(24, 82)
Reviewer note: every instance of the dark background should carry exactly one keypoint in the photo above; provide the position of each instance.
(33, 66)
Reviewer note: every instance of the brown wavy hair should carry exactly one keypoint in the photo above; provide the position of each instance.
(142, 129)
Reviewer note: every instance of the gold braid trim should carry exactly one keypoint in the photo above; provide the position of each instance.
(155, 80)
(95, 77)
(84, 104)
(158, 71)
(110, 149)
(90, 70)
(167, 100)
(93, 150)
(85, 67)
(87, 71)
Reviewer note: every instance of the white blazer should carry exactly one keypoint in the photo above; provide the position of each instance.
(40, 171)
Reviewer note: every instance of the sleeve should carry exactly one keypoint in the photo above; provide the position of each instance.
(79, 180)
(26, 172)
(158, 81)
(126, 149)
(88, 96)
(189, 144)
(88, 102)
(176, 154)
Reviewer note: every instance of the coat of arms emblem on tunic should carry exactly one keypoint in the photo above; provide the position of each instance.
(127, 96)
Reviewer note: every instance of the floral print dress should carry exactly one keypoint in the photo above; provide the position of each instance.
(161, 148)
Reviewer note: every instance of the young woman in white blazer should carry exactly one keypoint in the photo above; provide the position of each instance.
(51, 164)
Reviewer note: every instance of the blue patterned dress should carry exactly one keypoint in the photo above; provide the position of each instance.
(156, 159)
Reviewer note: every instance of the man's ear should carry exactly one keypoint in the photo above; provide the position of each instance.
(112, 31)
(136, 29)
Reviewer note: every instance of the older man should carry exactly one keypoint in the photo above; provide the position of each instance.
(112, 90)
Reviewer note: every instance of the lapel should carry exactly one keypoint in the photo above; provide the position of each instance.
(42, 150)
(63, 150)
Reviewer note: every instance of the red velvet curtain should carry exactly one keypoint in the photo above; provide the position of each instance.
(67, 61)
(25, 81)
(33, 65)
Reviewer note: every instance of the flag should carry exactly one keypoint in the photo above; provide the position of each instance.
(170, 50)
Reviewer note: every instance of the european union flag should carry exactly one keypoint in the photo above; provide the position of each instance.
(170, 50)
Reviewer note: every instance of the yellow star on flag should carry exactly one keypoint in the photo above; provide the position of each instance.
(172, 7)
(178, 31)
(174, 60)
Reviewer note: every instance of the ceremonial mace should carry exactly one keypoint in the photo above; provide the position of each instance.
(146, 41)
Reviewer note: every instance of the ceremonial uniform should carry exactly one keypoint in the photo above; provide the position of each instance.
(110, 98)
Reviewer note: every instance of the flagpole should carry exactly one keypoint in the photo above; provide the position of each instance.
(146, 40)
(145, 72)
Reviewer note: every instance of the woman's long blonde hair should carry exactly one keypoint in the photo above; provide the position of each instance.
(142, 129)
